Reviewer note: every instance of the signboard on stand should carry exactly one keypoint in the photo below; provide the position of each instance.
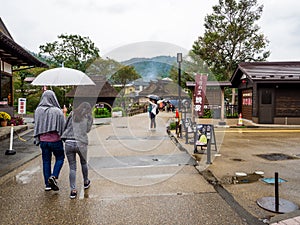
(22, 106)
(205, 132)
(199, 93)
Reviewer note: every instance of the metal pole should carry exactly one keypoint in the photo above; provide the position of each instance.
(11, 151)
(186, 134)
(208, 160)
(179, 87)
(11, 137)
(179, 60)
(276, 193)
(208, 135)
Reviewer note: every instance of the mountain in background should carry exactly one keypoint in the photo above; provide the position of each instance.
(152, 68)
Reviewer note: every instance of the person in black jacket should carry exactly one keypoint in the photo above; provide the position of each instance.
(78, 124)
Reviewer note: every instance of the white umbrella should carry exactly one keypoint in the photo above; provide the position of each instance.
(62, 77)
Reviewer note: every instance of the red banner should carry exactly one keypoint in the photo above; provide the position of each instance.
(199, 93)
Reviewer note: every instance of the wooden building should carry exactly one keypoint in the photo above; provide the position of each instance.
(268, 92)
(102, 92)
(165, 89)
(12, 58)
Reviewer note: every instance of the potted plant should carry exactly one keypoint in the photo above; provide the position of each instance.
(16, 121)
(4, 118)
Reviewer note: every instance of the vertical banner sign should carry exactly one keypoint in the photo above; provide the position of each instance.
(199, 92)
(22, 106)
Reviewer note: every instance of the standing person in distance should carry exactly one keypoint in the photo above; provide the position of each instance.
(48, 127)
(78, 125)
(153, 113)
(149, 110)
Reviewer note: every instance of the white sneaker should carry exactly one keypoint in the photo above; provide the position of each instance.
(48, 188)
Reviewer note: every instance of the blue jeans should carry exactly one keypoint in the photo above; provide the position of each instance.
(57, 149)
(72, 149)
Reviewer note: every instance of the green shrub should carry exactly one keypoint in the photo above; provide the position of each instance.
(172, 125)
(101, 113)
(116, 109)
(207, 113)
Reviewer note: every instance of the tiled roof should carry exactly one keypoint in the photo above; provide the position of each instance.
(101, 89)
(163, 89)
(13, 53)
(210, 84)
(271, 71)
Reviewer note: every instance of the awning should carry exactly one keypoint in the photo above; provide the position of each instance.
(15, 55)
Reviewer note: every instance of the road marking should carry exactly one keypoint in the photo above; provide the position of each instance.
(258, 131)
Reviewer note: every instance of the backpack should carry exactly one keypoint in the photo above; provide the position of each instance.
(149, 108)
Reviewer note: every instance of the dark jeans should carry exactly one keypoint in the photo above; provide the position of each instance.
(152, 120)
(57, 149)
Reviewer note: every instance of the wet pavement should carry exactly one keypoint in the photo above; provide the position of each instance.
(240, 151)
(144, 177)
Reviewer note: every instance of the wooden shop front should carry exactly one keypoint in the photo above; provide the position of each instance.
(268, 92)
(12, 58)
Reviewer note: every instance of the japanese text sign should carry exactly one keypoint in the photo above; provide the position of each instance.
(199, 93)
(22, 106)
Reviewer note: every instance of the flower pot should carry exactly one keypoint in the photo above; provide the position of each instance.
(3, 123)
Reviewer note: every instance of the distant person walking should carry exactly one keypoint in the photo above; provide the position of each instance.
(153, 113)
(48, 127)
(78, 125)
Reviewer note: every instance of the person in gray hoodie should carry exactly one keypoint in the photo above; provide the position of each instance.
(78, 125)
(49, 123)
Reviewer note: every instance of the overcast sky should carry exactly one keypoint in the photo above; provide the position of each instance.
(121, 24)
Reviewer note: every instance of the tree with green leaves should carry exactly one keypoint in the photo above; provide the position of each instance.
(73, 51)
(23, 89)
(103, 67)
(192, 64)
(124, 75)
(232, 36)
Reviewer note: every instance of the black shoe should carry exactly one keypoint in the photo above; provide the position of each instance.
(73, 194)
(87, 185)
(53, 183)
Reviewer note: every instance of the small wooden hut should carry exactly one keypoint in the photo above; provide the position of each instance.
(268, 92)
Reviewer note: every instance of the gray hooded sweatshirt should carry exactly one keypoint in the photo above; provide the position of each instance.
(78, 130)
(48, 116)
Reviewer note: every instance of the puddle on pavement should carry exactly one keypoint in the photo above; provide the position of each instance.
(271, 180)
(276, 156)
(247, 178)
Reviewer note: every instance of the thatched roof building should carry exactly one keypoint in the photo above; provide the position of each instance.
(101, 92)
(164, 89)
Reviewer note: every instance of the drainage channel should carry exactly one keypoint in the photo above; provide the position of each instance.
(210, 178)
(248, 217)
